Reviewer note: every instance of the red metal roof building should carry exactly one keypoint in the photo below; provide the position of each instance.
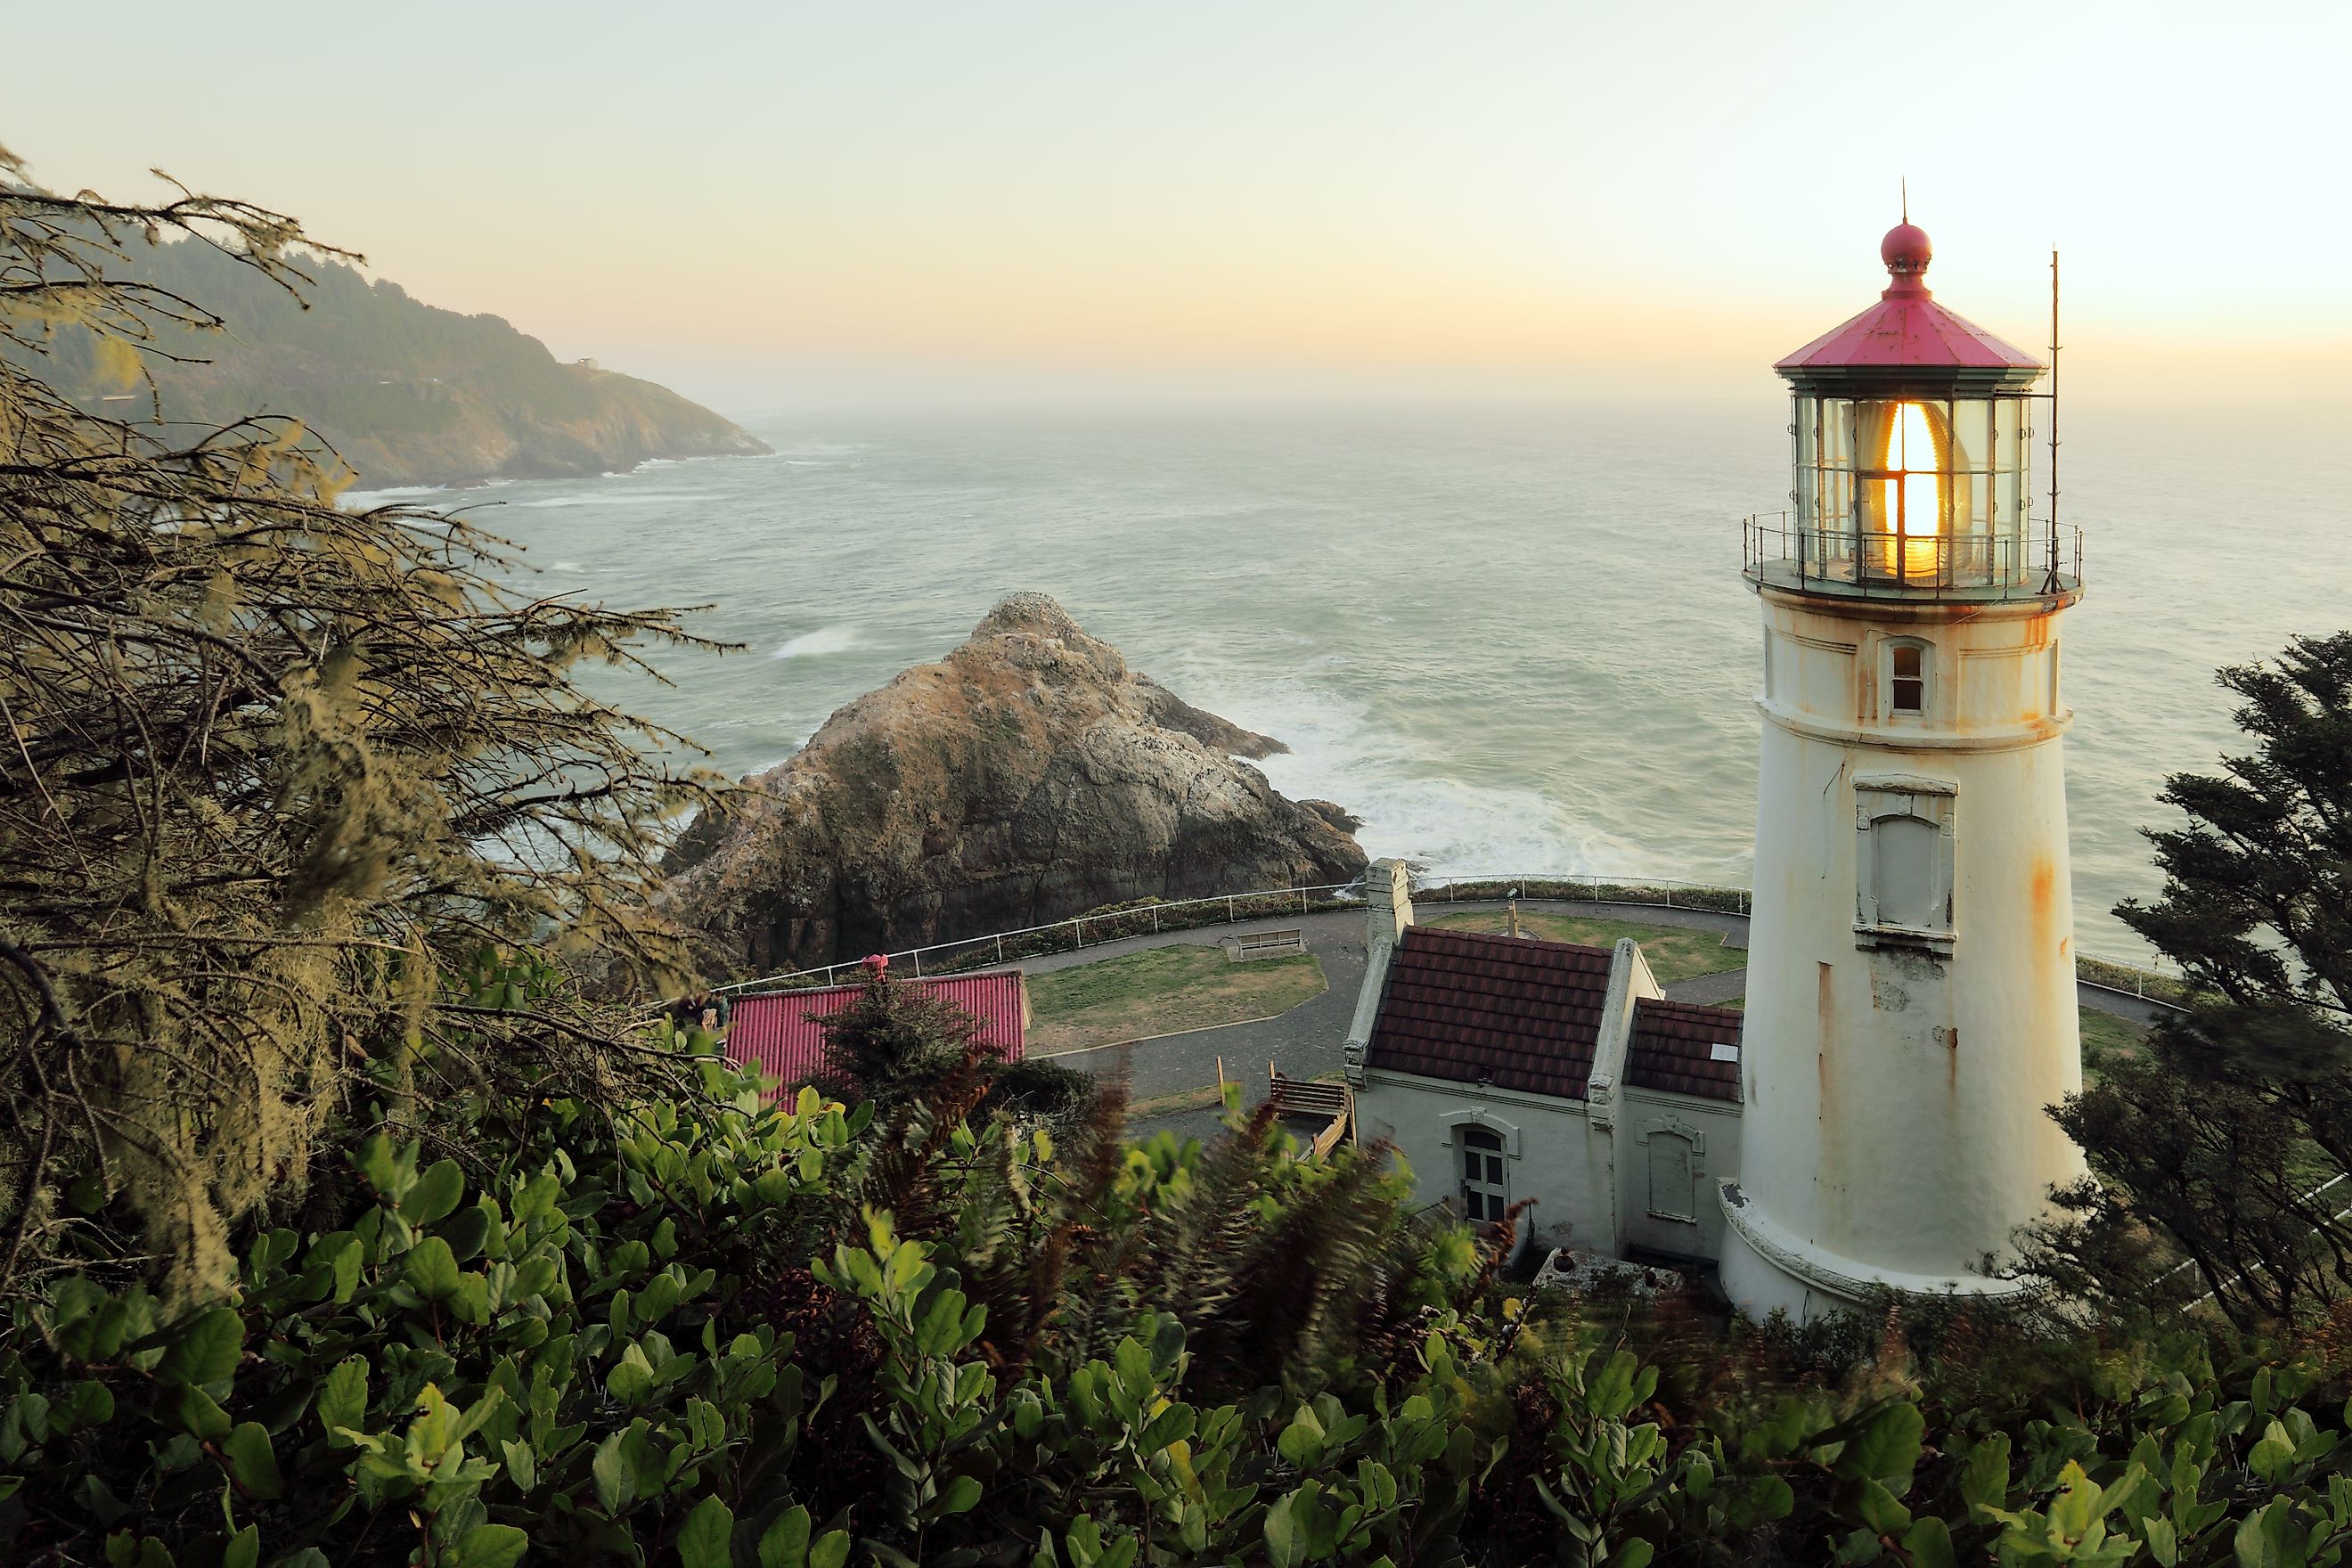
(780, 1031)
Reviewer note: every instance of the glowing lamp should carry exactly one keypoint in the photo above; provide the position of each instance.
(1912, 444)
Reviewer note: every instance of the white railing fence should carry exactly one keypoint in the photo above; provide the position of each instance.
(1111, 923)
(1152, 917)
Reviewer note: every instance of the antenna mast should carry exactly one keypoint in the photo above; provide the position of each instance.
(2049, 584)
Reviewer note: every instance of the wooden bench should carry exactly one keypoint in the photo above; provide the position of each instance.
(1251, 944)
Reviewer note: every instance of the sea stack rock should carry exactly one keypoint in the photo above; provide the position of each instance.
(1028, 776)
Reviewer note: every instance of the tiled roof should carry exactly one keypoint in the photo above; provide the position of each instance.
(1517, 1014)
(1673, 1049)
(779, 1029)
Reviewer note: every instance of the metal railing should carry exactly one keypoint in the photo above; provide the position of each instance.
(1582, 888)
(1114, 922)
(1843, 559)
(1152, 917)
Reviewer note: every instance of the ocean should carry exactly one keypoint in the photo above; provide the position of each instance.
(1512, 638)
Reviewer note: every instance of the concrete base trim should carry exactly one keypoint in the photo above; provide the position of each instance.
(2010, 740)
(1818, 1269)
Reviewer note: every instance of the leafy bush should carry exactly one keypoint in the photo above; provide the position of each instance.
(703, 1330)
(547, 1350)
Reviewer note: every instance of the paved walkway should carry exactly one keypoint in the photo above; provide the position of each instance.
(1305, 1042)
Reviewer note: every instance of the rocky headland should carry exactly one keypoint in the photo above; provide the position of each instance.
(1028, 776)
(407, 393)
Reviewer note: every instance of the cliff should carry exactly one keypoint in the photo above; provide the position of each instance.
(406, 392)
(1028, 776)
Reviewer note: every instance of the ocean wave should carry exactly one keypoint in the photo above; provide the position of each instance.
(825, 640)
(1410, 807)
(364, 501)
(633, 498)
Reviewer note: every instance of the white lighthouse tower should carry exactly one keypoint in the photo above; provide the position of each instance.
(1911, 1003)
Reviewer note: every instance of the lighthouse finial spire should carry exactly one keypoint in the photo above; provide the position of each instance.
(1904, 184)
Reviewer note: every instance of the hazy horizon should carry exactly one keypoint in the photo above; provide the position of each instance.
(766, 206)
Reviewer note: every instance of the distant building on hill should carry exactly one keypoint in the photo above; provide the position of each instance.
(781, 1032)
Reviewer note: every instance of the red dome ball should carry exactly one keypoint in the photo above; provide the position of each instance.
(1907, 249)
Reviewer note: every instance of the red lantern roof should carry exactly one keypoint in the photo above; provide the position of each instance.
(1908, 336)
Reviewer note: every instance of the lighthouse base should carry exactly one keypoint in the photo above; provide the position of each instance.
(1765, 1268)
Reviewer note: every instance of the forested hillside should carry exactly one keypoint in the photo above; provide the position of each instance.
(407, 393)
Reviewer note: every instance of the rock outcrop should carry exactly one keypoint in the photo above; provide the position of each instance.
(1028, 776)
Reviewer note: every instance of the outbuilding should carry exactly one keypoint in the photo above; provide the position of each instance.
(1507, 1070)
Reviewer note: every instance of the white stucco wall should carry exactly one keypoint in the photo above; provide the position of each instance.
(1711, 1129)
(1552, 1153)
(1895, 1095)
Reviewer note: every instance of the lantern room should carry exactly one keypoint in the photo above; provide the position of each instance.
(1912, 431)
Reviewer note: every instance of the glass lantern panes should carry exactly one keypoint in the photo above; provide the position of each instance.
(1484, 1195)
(1926, 492)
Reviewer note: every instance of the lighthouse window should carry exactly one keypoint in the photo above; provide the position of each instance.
(1903, 862)
(1484, 1195)
(1907, 670)
(1910, 685)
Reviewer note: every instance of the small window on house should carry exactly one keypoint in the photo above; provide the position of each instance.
(1671, 1182)
(1484, 1195)
(1910, 678)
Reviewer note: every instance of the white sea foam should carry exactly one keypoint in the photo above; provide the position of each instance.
(825, 640)
(1410, 805)
(632, 497)
(572, 566)
(364, 500)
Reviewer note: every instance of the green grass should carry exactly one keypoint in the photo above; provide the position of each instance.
(1674, 953)
(1161, 991)
(2107, 1038)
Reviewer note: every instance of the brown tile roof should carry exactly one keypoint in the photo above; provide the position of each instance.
(1672, 1048)
(1504, 1010)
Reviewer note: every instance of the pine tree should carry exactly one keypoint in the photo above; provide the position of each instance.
(2225, 1136)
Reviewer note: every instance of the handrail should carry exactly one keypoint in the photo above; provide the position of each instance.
(1116, 923)
(1843, 557)
(1107, 920)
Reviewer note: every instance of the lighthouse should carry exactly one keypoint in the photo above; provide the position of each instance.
(1910, 1003)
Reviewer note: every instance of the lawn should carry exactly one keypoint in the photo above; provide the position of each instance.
(1676, 952)
(1161, 991)
(2105, 1038)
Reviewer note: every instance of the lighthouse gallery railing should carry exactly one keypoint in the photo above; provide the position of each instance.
(1777, 549)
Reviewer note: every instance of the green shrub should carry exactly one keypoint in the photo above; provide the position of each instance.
(702, 1331)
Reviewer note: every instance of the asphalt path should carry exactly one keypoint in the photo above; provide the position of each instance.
(1305, 1042)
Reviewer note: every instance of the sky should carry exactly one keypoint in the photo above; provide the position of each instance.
(775, 203)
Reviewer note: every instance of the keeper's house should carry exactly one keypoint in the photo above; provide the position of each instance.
(1506, 1070)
